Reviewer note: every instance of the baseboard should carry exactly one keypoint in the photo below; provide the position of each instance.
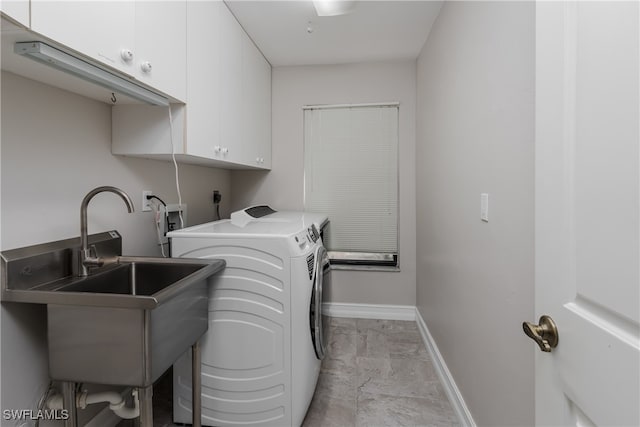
(453, 393)
(369, 311)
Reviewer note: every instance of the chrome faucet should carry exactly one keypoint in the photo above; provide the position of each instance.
(86, 259)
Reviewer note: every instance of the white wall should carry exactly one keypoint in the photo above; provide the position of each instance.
(1, 272)
(56, 146)
(476, 134)
(282, 187)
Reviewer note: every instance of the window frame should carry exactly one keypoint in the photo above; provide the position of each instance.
(377, 261)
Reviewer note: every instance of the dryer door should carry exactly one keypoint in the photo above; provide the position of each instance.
(319, 323)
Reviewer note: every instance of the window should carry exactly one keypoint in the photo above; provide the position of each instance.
(351, 174)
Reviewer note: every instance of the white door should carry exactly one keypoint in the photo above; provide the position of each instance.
(587, 212)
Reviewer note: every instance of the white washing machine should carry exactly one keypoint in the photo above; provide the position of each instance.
(261, 355)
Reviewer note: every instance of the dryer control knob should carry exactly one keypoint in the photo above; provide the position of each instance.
(301, 240)
(313, 232)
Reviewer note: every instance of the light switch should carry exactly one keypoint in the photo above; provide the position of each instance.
(484, 207)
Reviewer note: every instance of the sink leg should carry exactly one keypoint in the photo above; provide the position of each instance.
(196, 379)
(146, 406)
(69, 403)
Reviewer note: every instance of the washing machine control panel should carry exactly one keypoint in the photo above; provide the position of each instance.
(305, 240)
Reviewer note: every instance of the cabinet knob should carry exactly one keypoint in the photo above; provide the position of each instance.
(225, 150)
(126, 55)
(217, 149)
(146, 67)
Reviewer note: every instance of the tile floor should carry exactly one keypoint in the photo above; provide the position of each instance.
(376, 373)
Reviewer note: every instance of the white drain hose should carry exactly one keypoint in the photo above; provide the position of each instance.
(116, 402)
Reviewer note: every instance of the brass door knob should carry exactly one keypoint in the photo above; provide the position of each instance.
(545, 334)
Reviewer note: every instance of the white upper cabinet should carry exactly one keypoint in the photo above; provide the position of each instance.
(245, 97)
(226, 121)
(102, 30)
(160, 43)
(144, 39)
(17, 10)
(256, 99)
(230, 88)
(203, 73)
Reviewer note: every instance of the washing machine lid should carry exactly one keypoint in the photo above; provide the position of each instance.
(278, 224)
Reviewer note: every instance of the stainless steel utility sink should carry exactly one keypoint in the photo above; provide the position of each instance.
(135, 276)
(126, 323)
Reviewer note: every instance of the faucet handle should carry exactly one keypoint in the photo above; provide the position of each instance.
(93, 251)
(90, 252)
(89, 258)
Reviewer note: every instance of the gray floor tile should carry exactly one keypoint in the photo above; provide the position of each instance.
(339, 364)
(329, 412)
(343, 322)
(395, 381)
(388, 410)
(342, 344)
(373, 343)
(363, 325)
(407, 349)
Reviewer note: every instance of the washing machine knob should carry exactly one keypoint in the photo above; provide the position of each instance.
(313, 233)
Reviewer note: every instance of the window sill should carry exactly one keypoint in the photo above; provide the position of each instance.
(380, 268)
(364, 261)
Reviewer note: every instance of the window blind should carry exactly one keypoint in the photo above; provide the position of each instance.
(351, 174)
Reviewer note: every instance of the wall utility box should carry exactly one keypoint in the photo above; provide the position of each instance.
(170, 220)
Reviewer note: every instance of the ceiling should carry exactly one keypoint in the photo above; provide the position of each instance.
(291, 33)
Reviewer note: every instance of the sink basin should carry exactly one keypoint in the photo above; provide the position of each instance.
(133, 278)
(126, 323)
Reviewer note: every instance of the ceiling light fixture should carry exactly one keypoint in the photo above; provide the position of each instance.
(333, 7)
(60, 60)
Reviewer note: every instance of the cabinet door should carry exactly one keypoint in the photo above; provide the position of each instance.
(98, 29)
(160, 42)
(17, 10)
(203, 76)
(230, 88)
(256, 94)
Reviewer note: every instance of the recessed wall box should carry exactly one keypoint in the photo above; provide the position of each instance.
(170, 220)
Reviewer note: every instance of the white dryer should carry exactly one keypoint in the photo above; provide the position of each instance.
(261, 355)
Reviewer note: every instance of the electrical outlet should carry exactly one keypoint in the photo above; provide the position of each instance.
(146, 204)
